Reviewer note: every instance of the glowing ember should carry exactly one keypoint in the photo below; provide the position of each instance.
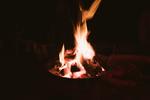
(80, 62)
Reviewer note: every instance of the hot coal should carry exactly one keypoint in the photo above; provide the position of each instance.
(93, 68)
(74, 69)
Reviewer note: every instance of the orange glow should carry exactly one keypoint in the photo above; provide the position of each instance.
(83, 51)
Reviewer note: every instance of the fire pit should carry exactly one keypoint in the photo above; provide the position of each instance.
(124, 80)
(82, 74)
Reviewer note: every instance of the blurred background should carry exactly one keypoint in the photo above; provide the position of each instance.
(32, 34)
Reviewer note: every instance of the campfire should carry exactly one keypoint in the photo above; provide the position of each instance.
(81, 61)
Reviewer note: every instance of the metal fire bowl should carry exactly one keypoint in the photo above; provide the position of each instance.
(114, 65)
(105, 87)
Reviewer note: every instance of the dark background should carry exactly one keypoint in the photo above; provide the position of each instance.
(52, 22)
(32, 34)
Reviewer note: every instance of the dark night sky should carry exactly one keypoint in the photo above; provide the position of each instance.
(114, 18)
(119, 16)
(114, 22)
(43, 21)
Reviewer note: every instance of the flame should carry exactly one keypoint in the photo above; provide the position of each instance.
(83, 50)
(82, 46)
(61, 55)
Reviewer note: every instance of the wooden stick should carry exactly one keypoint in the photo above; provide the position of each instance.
(88, 14)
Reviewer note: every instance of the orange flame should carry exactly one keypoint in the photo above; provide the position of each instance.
(83, 49)
(61, 55)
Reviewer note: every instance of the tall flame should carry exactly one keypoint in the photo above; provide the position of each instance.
(82, 46)
(83, 49)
